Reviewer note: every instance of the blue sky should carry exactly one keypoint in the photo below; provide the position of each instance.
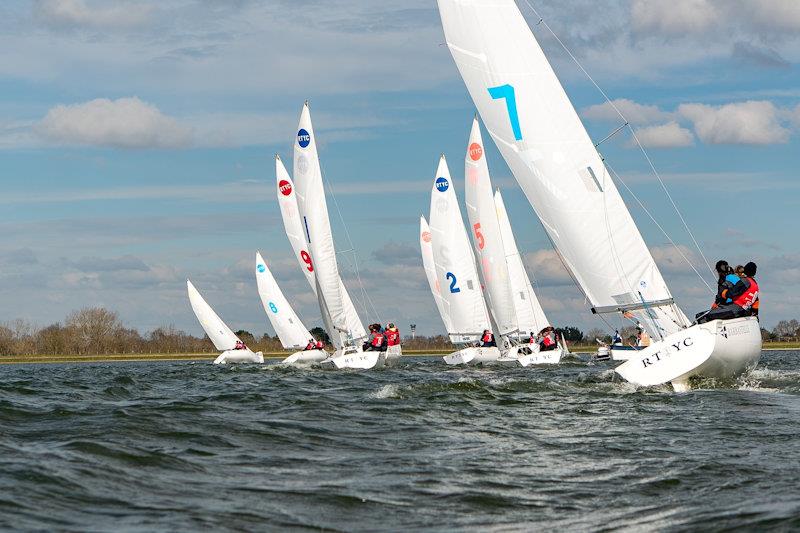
(137, 142)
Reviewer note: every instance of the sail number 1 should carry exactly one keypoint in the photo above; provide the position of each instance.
(506, 92)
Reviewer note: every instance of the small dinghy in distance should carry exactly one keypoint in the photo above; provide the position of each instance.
(466, 315)
(341, 321)
(538, 132)
(493, 265)
(287, 325)
(220, 334)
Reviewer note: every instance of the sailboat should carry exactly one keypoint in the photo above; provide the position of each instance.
(287, 325)
(537, 130)
(489, 244)
(430, 271)
(220, 334)
(305, 216)
(454, 263)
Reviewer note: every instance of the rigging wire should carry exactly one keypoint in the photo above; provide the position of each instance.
(633, 133)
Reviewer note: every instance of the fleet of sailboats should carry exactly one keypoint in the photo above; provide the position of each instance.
(484, 286)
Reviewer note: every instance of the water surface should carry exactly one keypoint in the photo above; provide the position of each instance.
(183, 446)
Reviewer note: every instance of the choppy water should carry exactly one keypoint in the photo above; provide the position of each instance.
(190, 446)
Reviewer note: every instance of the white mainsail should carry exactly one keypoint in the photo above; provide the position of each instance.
(533, 123)
(455, 264)
(530, 315)
(292, 222)
(486, 235)
(219, 333)
(430, 271)
(285, 322)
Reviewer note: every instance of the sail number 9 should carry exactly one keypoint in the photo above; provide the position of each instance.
(307, 260)
(506, 92)
(452, 278)
(479, 235)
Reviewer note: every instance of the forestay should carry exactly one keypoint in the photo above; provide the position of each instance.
(430, 271)
(486, 236)
(219, 333)
(285, 322)
(454, 262)
(530, 315)
(287, 200)
(533, 123)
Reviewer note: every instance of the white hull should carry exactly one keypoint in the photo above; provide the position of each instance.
(353, 357)
(239, 356)
(306, 356)
(721, 349)
(624, 355)
(527, 355)
(392, 355)
(473, 356)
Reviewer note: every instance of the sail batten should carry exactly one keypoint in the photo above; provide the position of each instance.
(537, 130)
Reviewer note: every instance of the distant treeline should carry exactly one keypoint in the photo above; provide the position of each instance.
(99, 331)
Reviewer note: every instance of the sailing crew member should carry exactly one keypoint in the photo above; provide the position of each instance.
(743, 296)
(240, 346)
(376, 339)
(548, 340)
(617, 338)
(642, 337)
(392, 335)
(310, 345)
(319, 345)
(487, 339)
(727, 278)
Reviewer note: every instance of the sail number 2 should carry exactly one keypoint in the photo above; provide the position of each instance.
(452, 278)
(506, 92)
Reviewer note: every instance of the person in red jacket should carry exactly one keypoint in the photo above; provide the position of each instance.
(240, 346)
(487, 339)
(392, 335)
(743, 296)
(310, 345)
(376, 341)
(319, 345)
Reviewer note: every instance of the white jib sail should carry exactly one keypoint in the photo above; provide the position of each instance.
(287, 200)
(455, 264)
(530, 315)
(285, 322)
(219, 333)
(430, 271)
(486, 235)
(533, 123)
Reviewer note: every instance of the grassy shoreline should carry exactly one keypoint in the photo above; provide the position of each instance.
(27, 359)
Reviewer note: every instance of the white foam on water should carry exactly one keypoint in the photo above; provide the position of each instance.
(387, 391)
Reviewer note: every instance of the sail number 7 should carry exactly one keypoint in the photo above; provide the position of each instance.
(506, 92)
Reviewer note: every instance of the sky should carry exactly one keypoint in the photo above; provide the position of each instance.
(137, 141)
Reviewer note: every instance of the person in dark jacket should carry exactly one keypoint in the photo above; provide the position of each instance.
(742, 298)
(487, 339)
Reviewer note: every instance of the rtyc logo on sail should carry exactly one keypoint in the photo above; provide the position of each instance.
(303, 138)
(285, 187)
(442, 184)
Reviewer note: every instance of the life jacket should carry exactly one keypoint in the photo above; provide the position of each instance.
(487, 338)
(319, 345)
(733, 279)
(547, 341)
(392, 337)
(309, 346)
(240, 346)
(748, 297)
(377, 339)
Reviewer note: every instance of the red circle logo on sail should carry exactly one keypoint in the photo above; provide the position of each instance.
(426, 236)
(475, 151)
(285, 187)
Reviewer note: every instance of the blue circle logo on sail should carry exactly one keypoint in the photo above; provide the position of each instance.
(273, 307)
(261, 268)
(442, 184)
(303, 138)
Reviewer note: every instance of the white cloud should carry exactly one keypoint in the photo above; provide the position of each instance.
(546, 267)
(751, 122)
(122, 123)
(770, 15)
(667, 135)
(677, 17)
(795, 116)
(634, 112)
(79, 14)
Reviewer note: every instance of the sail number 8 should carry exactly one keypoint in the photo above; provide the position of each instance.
(506, 92)
(452, 278)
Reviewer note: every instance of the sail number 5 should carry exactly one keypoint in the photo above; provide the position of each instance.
(479, 235)
(506, 92)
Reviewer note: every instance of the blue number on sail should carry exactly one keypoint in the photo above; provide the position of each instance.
(273, 307)
(507, 92)
(452, 279)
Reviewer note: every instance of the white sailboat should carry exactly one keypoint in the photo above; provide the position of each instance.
(287, 325)
(493, 263)
(430, 271)
(544, 143)
(456, 274)
(220, 334)
(317, 253)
